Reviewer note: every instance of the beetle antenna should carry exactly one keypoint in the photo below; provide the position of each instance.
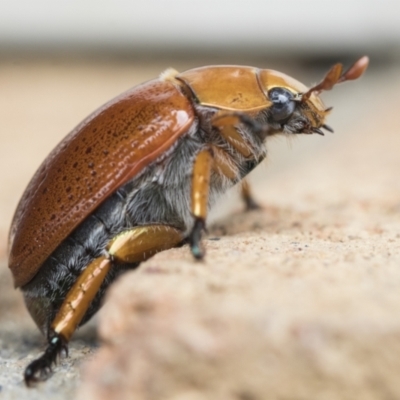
(335, 76)
(330, 80)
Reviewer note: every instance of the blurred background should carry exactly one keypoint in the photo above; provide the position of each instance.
(60, 60)
(307, 28)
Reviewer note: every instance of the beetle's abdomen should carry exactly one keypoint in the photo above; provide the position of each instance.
(105, 151)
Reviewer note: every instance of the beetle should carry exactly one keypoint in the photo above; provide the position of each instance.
(138, 176)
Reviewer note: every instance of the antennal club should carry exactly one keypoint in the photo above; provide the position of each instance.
(356, 70)
(335, 76)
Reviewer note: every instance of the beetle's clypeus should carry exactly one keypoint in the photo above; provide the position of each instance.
(138, 176)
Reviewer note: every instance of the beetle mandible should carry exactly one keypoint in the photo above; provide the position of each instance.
(138, 176)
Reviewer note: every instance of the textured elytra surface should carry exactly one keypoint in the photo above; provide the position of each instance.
(103, 152)
(306, 291)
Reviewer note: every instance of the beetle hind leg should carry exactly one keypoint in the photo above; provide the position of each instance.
(41, 368)
(68, 317)
(129, 247)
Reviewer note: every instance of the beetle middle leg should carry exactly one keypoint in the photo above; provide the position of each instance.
(200, 191)
(129, 247)
(227, 121)
(211, 158)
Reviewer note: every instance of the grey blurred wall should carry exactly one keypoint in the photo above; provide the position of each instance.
(309, 26)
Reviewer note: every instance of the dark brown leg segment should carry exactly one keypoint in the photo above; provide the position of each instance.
(134, 245)
(247, 197)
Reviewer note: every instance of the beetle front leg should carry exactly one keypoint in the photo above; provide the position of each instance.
(200, 192)
(227, 121)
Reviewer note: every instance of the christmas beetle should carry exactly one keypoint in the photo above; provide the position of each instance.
(139, 175)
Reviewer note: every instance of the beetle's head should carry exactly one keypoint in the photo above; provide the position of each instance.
(295, 108)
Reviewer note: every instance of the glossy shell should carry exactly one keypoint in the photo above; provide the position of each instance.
(226, 87)
(105, 151)
(241, 88)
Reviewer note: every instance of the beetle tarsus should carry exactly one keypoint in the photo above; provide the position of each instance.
(195, 238)
(41, 368)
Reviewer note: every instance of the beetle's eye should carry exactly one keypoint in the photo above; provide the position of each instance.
(283, 104)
